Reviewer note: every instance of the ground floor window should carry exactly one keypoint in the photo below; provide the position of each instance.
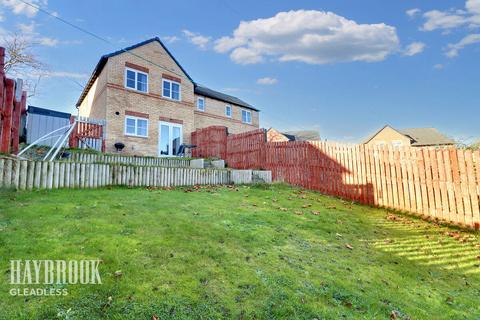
(135, 126)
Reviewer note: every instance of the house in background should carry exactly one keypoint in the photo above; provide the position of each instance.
(414, 137)
(273, 135)
(152, 105)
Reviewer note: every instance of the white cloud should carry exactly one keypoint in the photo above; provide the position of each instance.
(314, 37)
(438, 66)
(450, 19)
(46, 41)
(197, 39)
(453, 48)
(65, 74)
(412, 12)
(267, 81)
(414, 48)
(170, 39)
(18, 7)
(442, 20)
(27, 28)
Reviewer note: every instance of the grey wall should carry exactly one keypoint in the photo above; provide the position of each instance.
(39, 125)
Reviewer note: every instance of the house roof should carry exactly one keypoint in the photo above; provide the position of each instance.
(302, 135)
(426, 137)
(48, 112)
(204, 91)
(419, 136)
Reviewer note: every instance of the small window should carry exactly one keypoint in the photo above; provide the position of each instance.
(136, 80)
(171, 90)
(397, 143)
(228, 111)
(246, 117)
(136, 126)
(201, 104)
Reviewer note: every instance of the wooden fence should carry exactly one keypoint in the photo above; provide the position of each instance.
(442, 183)
(211, 142)
(28, 175)
(89, 133)
(12, 106)
(117, 159)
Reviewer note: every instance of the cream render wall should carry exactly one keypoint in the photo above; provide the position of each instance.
(388, 135)
(95, 102)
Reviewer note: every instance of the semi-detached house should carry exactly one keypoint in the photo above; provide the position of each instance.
(152, 105)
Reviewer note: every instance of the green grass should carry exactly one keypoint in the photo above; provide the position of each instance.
(243, 253)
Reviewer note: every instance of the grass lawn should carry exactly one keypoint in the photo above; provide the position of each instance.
(261, 252)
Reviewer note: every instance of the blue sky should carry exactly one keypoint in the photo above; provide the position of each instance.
(345, 73)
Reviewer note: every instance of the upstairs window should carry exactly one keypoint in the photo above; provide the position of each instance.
(137, 127)
(136, 80)
(246, 116)
(201, 104)
(171, 90)
(228, 111)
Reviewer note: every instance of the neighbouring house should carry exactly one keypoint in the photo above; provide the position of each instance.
(152, 105)
(415, 137)
(273, 135)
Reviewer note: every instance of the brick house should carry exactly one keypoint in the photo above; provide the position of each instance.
(414, 137)
(152, 105)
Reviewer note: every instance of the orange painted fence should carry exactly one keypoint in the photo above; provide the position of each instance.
(11, 109)
(442, 183)
(210, 142)
(88, 133)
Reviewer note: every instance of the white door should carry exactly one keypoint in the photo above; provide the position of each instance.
(169, 139)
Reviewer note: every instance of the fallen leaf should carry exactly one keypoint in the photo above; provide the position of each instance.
(315, 213)
(118, 273)
(349, 246)
(299, 213)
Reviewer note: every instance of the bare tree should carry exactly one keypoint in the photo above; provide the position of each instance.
(22, 63)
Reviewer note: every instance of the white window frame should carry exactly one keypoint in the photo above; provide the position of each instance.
(170, 125)
(136, 79)
(198, 99)
(397, 143)
(231, 110)
(136, 126)
(179, 89)
(247, 111)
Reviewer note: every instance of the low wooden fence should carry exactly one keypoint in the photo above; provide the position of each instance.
(442, 183)
(28, 175)
(117, 159)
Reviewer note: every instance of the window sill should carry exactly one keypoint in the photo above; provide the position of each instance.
(136, 90)
(135, 136)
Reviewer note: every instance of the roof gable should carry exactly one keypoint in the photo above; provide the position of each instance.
(103, 61)
(385, 127)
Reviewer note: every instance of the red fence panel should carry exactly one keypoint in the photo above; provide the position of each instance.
(211, 142)
(11, 110)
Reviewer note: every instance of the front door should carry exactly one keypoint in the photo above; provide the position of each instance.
(170, 139)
